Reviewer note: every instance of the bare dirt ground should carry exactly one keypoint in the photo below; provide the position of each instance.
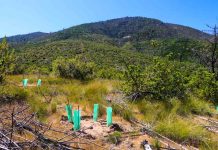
(99, 132)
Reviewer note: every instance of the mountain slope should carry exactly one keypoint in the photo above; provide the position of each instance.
(106, 43)
(135, 28)
(128, 28)
(25, 38)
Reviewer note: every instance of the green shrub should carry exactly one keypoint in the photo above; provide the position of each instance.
(203, 84)
(109, 73)
(115, 137)
(10, 94)
(73, 68)
(6, 60)
(123, 112)
(157, 144)
(134, 81)
(33, 69)
(165, 79)
(162, 80)
(42, 111)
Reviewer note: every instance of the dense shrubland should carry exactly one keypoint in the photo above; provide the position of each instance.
(165, 79)
(74, 68)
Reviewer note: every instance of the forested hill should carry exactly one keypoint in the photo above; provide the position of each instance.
(136, 28)
(25, 38)
(107, 43)
(131, 28)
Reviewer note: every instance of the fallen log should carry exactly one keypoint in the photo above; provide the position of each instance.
(41, 138)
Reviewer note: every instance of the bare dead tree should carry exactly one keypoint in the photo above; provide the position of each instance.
(214, 48)
(208, 56)
(12, 122)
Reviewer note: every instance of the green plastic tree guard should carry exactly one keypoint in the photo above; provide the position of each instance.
(76, 120)
(25, 82)
(109, 116)
(69, 113)
(95, 112)
(39, 82)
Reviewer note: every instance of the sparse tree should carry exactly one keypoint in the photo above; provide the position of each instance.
(208, 55)
(6, 60)
(214, 50)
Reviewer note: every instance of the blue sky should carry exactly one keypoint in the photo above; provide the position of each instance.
(25, 16)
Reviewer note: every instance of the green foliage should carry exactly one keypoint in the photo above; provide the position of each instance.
(195, 105)
(109, 73)
(204, 84)
(208, 145)
(73, 69)
(134, 80)
(165, 79)
(123, 112)
(152, 111)
(42, 111)
(26, 38)
(107, 58)
(172, 118)
(157, 145)
(6, 60)
(188, 106)
(115, 137)
(10, 94)
(101, 45)
(180, 49)
(181, 130)
(107, 44)
(94, 93)
(161, 80)
(133, 28)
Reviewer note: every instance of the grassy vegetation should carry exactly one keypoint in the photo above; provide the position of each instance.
(125, 113)
(172, 118)
(56, 92)
(10, 94)
(180, 129)
(115, 137)
(157, 144)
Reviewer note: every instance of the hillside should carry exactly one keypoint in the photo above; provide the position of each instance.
(136, 28)
(131, 28)
(26, 38)
(105, 42)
